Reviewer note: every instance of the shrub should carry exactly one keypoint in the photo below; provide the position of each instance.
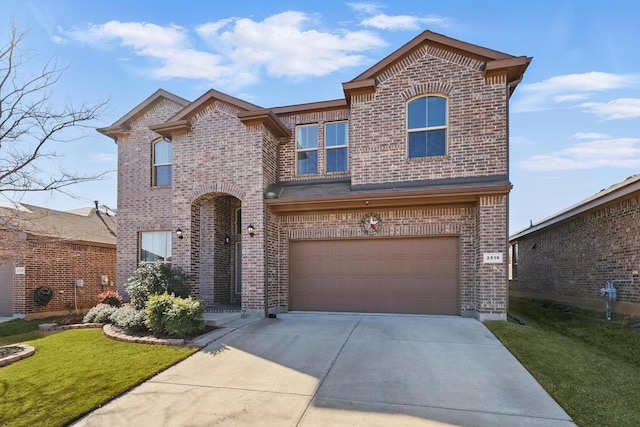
(101, 313)
(110, 298)
(155, 279)
(129, 319)
(176, 316)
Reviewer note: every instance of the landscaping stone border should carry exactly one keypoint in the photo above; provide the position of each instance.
(26, 351)
(117, 334)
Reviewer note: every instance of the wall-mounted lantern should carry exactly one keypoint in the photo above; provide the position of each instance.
(250, 230)
(227, 240)
(179, 233)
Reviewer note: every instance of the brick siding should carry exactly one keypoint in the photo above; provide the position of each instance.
(221, 160)
(572, 260)
(57, 264)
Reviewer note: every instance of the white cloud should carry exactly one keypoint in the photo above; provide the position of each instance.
(590, 135)
(368, 8)
(570, 87)
(283, 47)
(606, 152)
(374, 18)
(623, 108)
(238, 49)
(403, 22)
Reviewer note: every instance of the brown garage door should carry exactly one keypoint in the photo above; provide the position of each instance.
(416, 275)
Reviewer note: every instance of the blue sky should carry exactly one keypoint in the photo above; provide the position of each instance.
(574, 121)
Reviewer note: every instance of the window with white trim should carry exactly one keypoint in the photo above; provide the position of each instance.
(427, 126)
(155, 246)
(307, 149)
(162, 156)
(336, 143)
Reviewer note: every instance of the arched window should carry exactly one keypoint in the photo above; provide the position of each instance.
(162, 155)
(427, 126)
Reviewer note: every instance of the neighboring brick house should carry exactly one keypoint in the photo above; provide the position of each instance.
(43, 248)
(570, 256)
(391, 199)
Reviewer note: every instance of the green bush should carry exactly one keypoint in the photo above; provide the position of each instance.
(155, 279)
(129, 319)
(101, 313)
(176, 316)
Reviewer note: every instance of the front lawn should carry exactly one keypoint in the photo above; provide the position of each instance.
(589, 365)
(18, 330)
(73, 372)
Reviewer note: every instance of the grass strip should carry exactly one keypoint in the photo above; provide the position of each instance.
(73, 372)
(583, 362)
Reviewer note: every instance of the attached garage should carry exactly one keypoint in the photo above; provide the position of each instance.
(376, 275)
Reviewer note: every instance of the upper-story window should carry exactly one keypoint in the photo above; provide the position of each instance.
(427, 126)
(162, 154)
(307, 149)
(336, 137)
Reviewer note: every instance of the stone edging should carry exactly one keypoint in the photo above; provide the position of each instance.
(26, 351)
(116, 334)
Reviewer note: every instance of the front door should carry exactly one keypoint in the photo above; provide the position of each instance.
(6, 288)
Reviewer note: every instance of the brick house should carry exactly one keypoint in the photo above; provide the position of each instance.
(570, 256)
(46, 248)
(392, 199)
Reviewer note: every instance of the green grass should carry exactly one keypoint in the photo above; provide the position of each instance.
(73, 372)
(18, 330)
(589, 365)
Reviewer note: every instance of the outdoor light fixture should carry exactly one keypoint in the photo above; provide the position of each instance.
(250, 229)
(179, 233)
(227, 240)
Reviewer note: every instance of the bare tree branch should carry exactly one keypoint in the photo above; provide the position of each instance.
(30, 124)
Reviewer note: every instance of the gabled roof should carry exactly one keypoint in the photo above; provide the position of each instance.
(122, 125)
(608, 195)
(93, 226)
(251, 113)
(495, 62)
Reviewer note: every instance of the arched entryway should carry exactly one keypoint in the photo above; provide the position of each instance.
(216, 250)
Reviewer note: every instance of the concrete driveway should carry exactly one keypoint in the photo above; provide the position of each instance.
(307, 369)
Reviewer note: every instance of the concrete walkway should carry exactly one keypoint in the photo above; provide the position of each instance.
(306, 369)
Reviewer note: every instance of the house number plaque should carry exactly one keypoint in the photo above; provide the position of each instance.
(492, 258)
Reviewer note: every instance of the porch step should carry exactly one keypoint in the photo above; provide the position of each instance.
(220, 318)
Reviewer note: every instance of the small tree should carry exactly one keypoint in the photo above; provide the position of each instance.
(30, 123)
(155, 279)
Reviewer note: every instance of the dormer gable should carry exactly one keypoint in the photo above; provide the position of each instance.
(180, 123)
(495, 62)
(123, 125)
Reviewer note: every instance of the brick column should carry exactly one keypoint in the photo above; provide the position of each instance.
(492, 286)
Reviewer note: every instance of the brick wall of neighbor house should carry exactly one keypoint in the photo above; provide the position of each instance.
(572, 260)
(141, 207)
(477, 140)
(58, 264)
(408, 222)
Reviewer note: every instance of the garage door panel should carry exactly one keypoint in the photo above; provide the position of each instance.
(417, 275)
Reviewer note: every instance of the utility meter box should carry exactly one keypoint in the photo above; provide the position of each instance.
(79, 283)
(104, 280)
